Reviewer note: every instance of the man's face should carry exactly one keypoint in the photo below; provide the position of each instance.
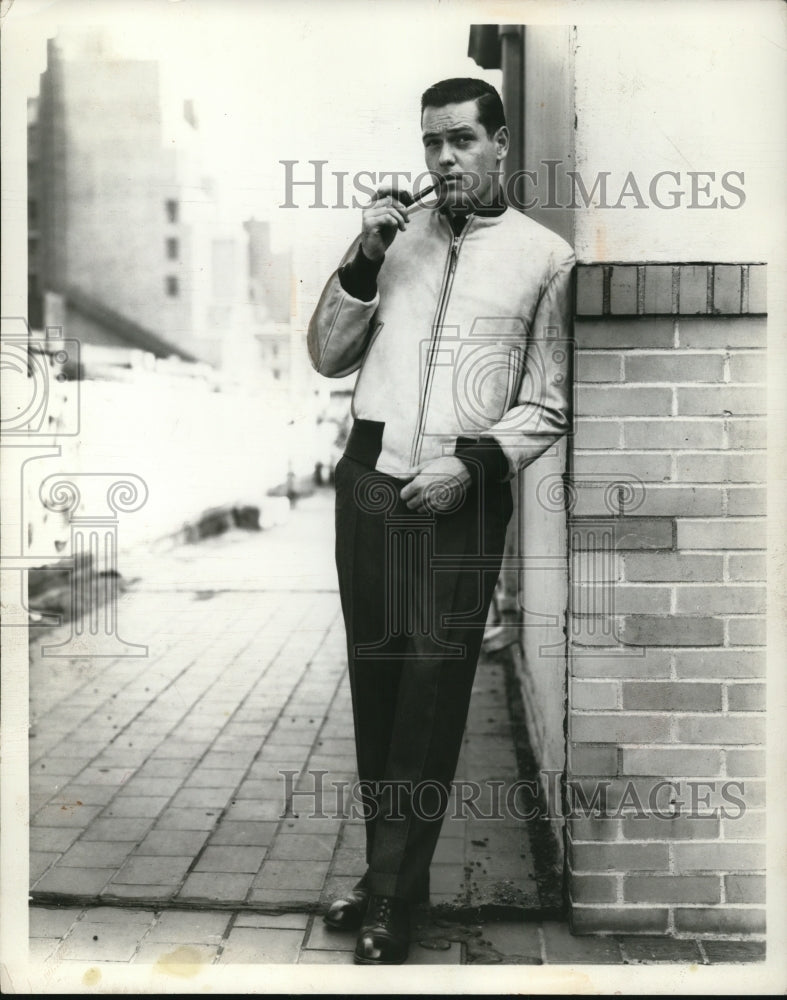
(460, 154)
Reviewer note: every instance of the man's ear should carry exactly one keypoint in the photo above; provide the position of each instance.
(502, 140)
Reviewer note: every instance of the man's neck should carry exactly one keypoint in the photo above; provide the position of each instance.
(458, 215)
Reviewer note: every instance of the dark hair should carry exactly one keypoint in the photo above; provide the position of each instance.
(465, 88)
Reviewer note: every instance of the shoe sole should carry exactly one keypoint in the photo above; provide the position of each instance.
(352, 926)
(372, 961)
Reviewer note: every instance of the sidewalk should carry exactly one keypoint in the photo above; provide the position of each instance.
(159, 780)
(160, 821)
(182, 938)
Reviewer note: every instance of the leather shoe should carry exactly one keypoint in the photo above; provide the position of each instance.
(346, 914)
(385, 933)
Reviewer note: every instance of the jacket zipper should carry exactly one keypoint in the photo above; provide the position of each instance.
(437, 324)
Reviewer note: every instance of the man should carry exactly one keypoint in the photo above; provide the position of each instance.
(458, 318)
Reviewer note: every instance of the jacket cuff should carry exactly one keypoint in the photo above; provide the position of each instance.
(359, 277)
(484, 458)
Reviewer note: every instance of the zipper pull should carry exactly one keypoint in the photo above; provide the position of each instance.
(454, 253)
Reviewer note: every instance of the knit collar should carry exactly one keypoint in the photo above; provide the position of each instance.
(458, 220)
(497, 207)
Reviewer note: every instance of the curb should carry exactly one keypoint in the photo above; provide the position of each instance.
(482, 913)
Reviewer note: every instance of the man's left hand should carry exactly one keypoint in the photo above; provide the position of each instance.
(440, 486)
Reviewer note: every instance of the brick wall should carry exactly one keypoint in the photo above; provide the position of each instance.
(667, 600)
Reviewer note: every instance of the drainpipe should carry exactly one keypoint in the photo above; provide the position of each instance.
(512, 63)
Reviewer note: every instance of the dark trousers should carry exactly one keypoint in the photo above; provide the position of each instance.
(415, 592)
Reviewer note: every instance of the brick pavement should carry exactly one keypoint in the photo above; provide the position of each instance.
(159, 780)
(212, 936)
(161, 825)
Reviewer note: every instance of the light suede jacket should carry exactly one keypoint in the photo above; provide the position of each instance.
(466, 336)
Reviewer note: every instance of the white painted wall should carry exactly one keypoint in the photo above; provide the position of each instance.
(687, 93)
(543, 600)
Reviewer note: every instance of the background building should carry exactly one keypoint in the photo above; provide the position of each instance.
(127, 243)
(271, 293)
(134, 255)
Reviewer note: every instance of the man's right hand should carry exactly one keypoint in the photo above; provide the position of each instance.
(382, 220)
